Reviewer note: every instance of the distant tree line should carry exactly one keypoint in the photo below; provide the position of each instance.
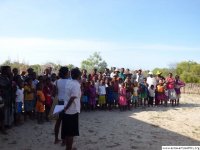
(189, 71)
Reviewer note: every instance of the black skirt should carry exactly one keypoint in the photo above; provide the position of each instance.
(70, 125)
(2, 114)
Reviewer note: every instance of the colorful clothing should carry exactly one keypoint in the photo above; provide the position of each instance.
(143, 91)
(85, 96)
(172, 94)
(19, 100)
(84, 99)
(18, 107)
(170, 83)
(122, 76)
(122, 97)
(134, 99)
(160, 93)
(48, 93)
(102, 99)
(40, 101)
(92, 95)
(28, 94)
(178, 85)
(110, 94)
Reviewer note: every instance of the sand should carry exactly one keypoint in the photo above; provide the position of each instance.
(140, 129)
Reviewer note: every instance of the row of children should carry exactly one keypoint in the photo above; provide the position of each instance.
(125, 90)
(107, 90)
(23, 96)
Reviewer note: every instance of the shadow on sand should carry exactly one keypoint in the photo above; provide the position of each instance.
(119, 131)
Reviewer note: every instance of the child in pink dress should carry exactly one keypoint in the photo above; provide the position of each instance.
(122, 97)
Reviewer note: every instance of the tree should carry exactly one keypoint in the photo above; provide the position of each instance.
(94, 61)
(37, 68)
(165, 71)
(189, 71)
(70, 66)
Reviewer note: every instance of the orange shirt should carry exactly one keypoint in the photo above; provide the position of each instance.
(160, 88)
(41, 95)
(39, 104)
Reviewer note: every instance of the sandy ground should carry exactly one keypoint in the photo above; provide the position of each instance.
(139, 129)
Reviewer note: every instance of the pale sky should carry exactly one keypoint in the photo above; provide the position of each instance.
(130, 33)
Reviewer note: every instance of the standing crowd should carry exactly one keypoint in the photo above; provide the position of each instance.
(29, 96)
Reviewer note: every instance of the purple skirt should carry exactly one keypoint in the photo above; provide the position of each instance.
(161, 96)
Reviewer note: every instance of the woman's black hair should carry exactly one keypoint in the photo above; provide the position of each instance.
(4, 69)
(63, 72)
(75, 73)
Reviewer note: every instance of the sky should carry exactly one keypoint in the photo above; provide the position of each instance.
(128, 33)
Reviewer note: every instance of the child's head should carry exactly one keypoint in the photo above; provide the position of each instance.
(145, 80)
(29, 81)
(161, 82)
(106, 81)
(177, 77)
(120, 80)
(40, 86)
(20, 84)
(152, 86)
(40, 79)
(34, 75)
(170, 74)
(102, 82)
(92, 82)
(53, 77)
(128, 79)
(111, 83)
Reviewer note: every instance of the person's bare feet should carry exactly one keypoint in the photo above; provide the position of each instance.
(57, 141)
(63, 143)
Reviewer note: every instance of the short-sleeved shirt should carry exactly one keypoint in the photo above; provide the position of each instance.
(28, 96)
(19, 95)
(170, 83)
(151, 92)
(73, 89)
(61, 87)
(102, 90)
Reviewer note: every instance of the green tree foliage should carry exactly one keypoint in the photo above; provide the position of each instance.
(15, 64)
(37, 68)
(189, 71)
(70, 66)
(94, 61)
(165, 71)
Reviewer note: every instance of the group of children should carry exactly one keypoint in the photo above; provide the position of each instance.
(29, 95)
(125, 90)
(24, 96)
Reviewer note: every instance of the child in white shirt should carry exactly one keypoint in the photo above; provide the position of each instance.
(19, 101)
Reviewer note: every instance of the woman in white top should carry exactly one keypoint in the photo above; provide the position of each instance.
(61, 91)
(70, 125)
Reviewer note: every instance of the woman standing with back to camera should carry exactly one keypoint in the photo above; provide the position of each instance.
(70, 122)
(61, 92)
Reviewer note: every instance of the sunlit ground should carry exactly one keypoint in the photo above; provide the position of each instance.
(139, 129)
(184, 119)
